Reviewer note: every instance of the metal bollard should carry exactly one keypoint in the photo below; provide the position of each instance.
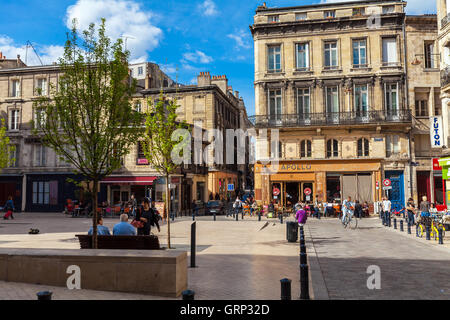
(395, 223)
(44, 295)
(389, 221)
(193, 216)
(173, 217)
(281, 218)
(188, 294)
(214, 216)
(441, 239)
(303, 258)
(428, 233)
(193, 228)
(302, 247)
(259, 216)
(285, 289)
(304, 282)
(401, 226)
(237, 216)
(242, 214)
(409, 228)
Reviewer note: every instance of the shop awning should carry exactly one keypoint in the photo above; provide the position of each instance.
(140, 181)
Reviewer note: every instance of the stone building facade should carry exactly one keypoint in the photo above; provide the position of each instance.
(332, 79)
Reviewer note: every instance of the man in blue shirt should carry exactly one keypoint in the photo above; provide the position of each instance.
(101, 229)
(123, 228)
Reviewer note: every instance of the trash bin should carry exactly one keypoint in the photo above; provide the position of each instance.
(292, 231)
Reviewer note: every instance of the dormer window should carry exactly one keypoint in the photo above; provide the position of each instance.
(274, 18)
(329, 14)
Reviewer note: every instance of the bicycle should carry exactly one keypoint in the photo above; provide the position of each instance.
(434, 222)
(350, 222)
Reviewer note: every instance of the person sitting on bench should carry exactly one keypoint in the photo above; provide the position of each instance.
(123, 228)
(101, 229)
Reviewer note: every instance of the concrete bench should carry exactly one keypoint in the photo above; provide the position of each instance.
(120, 242)
(158, 272)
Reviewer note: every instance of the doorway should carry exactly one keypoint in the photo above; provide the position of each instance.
(292, 193)
(307, 186)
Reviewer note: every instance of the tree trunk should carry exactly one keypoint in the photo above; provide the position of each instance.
(168, 210)
(94, 207)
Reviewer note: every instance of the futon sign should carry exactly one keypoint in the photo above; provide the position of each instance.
(437, 140)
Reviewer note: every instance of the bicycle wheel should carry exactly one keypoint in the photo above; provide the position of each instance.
(434, 233)
(420, 233)
(353, 223)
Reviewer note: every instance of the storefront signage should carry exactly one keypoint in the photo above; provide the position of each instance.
(307, 191)
(230, 187)
(436, 166)
(295, 167)
(437, 140)
(142, 162)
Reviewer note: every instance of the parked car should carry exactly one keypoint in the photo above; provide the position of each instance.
(214, 206)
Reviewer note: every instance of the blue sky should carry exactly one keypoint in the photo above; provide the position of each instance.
(184, 37)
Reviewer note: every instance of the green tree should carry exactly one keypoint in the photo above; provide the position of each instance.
(6, 149)
(162, 139)
(88, 119)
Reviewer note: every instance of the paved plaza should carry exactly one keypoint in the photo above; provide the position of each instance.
(238, 261)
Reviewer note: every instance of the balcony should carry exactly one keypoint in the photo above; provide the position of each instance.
(445, 21)
(445, 77)
(330, 119)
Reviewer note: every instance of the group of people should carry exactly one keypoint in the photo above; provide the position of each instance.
(145, 218)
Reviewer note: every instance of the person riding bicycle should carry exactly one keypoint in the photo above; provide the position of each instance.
(347, 208)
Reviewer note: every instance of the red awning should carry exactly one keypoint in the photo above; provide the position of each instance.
(140, 181)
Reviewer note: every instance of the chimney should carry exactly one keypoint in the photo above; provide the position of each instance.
(236, 94)
(221, 82)
(204, 79)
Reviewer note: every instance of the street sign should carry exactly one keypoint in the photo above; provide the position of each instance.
(230, 187)
(387, 188)
(307, 191)
(387, 183)
(276, 191)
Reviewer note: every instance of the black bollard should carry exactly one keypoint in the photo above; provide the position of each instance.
(441, 238)
(44, 295)
(281, 218)
(389, 221)
(188, 294)
(214, 216)
(193, 227)
(304, 282)
(409, 228)
(302, 247)
(428, 233)
(193, 216)
(259, 216)
(285, 289)
(395, 223)
(401, 226)
(237, 216)
(303, 258)
(173, 217)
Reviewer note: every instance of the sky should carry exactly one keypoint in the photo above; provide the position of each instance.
(183, 37)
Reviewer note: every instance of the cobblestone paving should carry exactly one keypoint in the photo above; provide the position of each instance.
(410, 268)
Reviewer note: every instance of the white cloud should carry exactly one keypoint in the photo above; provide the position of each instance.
(197, 57)
(169, 68)
(412, 7)
(123, 18)
(241, 38)
(208, 8)
(47, 53)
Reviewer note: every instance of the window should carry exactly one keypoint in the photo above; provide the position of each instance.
(275, 104)
(13, 119)
(363, 147)
(359, 11)
(302, 56)
(41, 87)
(390, 52)
(391, 99)
(300, 16)
(429, 56)
(39, 118)
(14, 157)
(137, 106)
(421, 108)
(63, 161)
(329, 14)
(303, 104)
(15, 88)
(306, 149)
(388, 9)
(332, 101)
(41, 192)
(140, 71)
(141, 155)
(359, 53)
(274, 53)
(273, 149)
(331, 55)
(274, 18)
(392, 145)
(332, 148)
(39, 155)
(361, 94)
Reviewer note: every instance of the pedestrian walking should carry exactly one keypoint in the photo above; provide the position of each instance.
(9, 208)
(411, 209)
(147, 215)
(301, 216)
(386, 206)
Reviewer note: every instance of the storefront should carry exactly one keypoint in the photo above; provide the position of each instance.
(11, 185)
(218, 182)
(444, 163)
(326, 180)
(120, 189)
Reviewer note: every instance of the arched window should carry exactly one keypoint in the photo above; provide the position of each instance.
(363, 147)
(332, 148)
(305, 149)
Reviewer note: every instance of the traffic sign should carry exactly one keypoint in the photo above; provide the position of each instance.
(387, 183)
(276, 191)
(307, 191)
(387, 188)
(230, 187)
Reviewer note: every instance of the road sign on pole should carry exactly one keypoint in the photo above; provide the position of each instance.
(307, 191)
(276, 191)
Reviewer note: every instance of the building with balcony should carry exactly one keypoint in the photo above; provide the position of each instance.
(331, 78)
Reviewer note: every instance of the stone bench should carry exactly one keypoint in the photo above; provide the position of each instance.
(158, 272)
(120, 242)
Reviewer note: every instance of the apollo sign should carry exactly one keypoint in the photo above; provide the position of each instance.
(436, 132)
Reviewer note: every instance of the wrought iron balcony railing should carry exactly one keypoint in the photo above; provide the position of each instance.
(445, 76)
(445, 20)
(331, 118)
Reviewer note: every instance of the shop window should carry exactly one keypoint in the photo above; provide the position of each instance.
(363, 147)
(332, 148)
(41, 192)
(306, 149)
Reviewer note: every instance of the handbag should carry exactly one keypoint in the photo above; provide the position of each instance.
(137, 224)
